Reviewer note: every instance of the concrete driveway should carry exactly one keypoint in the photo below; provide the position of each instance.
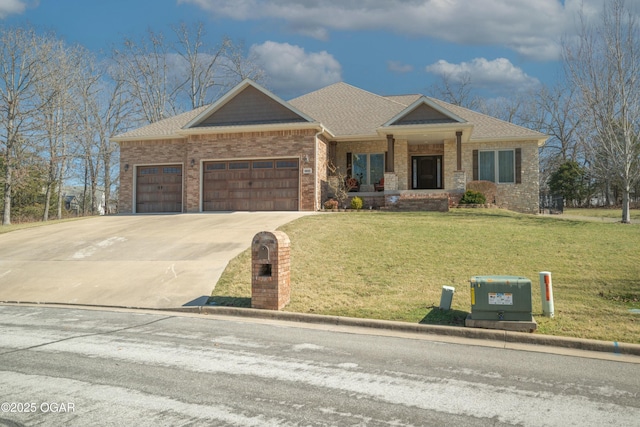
(155, 261)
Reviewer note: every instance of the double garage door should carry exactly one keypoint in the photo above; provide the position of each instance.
(247, 185)
(251, 185)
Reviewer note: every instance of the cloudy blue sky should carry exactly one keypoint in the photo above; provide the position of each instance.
(384, 46)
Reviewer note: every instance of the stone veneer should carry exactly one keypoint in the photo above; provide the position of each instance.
(298, 144)
(301, 144)
(521, 197)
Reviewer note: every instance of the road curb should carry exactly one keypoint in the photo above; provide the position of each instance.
(473, 333)
(454, 331)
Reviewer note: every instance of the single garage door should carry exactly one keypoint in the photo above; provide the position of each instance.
(251, 185)
(159, 189)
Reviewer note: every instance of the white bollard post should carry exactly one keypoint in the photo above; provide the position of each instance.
(546, 293)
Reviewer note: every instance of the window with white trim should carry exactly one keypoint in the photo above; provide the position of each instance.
(497, 166)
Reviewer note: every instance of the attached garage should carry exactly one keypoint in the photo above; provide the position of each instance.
(251, 185)
(159, 189)
(248, 151)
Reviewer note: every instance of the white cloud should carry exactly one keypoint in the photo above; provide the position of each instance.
(498, 75)
(399, 67)
(9, 7)
(292, 71)
(531, 28)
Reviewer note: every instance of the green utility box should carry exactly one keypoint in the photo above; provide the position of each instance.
(500, 298)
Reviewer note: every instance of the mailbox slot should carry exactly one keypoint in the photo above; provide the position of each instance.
(263, 253)
(265, 270)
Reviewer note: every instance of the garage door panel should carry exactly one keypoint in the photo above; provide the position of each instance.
(285, 205)
(159, 189)
(220, 205)
(256, 185)
(264, 205)
(240, 194)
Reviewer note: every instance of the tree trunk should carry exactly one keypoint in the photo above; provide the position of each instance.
(6, 217)
(47, 203)
(626, 214)
(60, 201)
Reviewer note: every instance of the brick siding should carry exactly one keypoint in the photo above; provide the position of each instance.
(299, 144)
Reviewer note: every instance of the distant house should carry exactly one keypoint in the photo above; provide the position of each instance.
(71, 204)
(253, 151)
(73, 196)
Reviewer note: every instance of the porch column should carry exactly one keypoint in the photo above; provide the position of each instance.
(333, 150)
(388, 167)
(459, 150)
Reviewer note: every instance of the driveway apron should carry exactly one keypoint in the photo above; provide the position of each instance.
(154, 261)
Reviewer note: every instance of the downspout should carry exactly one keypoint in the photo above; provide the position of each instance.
(315, 167)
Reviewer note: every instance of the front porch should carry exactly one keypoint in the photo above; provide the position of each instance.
(408, 200)
(415, 199)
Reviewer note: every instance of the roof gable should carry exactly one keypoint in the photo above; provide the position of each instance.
(248, 104)
(348, 111)
(424, 112)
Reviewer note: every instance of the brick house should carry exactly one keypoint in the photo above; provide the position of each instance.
(251, 150)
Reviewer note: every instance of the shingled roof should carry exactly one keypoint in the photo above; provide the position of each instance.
(346, 110)
(350, 112)
(487, 127)
(163, 129)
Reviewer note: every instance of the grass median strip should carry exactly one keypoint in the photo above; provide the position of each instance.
(392, 266)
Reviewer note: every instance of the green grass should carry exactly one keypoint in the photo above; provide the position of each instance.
(614, 213)
(392, 266)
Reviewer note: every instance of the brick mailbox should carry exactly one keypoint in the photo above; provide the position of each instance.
(270, 270)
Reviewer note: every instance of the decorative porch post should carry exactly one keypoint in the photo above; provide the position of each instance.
(459, 176)
(390, 177)
(333, 157)
(459, 150)
(388, 167)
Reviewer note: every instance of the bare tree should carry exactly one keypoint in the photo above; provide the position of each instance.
(604, 65)
(237, 66)
(54, 118)
(556, 116)
(340, 183)
(22, 53)
(106, 109)
(559, 120)
(110, 118)
(203, 63)
(456, 91)
(165, 78)
(144, 70)
(508, 109)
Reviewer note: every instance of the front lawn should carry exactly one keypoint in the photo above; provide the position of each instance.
(392, 266)
(613, 213)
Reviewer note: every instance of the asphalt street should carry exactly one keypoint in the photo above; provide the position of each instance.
(78, 367)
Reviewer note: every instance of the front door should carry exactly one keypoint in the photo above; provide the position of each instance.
(426, 172)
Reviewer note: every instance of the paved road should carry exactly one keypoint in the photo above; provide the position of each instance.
(78, 367)
(155, 261)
